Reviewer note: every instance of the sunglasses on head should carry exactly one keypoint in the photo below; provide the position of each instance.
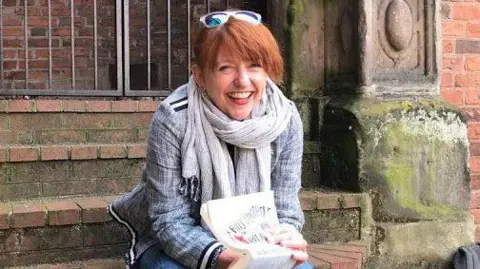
(218, 18)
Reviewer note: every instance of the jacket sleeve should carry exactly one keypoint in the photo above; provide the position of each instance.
(286, 173)
(173, 216)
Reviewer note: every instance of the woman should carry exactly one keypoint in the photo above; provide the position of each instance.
(229, 131)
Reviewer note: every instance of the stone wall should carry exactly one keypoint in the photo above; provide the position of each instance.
(460, 83)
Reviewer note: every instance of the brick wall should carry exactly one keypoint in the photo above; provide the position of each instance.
(14, 43)
(460, 84)
(71, 147)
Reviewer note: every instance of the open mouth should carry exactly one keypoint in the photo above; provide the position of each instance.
(239, 95)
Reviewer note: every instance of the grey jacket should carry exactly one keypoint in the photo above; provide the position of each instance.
(159, 209)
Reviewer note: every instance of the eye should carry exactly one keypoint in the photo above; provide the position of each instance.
(255, 65)
(224, 68)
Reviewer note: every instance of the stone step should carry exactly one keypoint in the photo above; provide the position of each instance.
(87, 264)
(37, 231)
(91, 175)
(352, 255)
(323, 256)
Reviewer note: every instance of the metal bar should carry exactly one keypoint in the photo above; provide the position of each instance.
(169, 44)
(72, 33)
(26, 42)
(126, 44)
(226, 4)
(50, 63)
(1, 43)
(163, 93)
(118, 14)
(149, 49)
(189, 38)
(69, 92)
(95, 45)
(206, 3)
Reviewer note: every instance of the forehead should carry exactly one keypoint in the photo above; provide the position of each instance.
(225, 55)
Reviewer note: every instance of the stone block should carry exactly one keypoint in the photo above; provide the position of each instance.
(412, 156)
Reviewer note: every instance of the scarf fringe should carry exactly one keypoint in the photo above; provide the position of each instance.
(190, 187)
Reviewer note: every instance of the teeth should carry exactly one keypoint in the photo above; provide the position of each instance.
(239, 95)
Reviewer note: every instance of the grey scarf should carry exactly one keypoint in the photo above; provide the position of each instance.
(206, 162)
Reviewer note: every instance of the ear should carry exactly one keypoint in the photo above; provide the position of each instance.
(198, 76)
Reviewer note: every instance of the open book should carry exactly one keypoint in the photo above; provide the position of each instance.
(239, 223)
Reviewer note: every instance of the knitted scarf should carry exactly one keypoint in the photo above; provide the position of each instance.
(206, 163)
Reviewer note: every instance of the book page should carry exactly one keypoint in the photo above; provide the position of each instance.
(240, 221)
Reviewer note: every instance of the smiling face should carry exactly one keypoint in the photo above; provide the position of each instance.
(234, 85)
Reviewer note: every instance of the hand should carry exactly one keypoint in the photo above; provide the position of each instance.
(286, 235)
(226, 258)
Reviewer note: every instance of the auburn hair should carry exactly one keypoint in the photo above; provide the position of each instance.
(239, 38)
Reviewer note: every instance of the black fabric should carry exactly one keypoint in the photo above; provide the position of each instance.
(467, 257)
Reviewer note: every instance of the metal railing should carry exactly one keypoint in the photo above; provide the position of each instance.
(102, 70)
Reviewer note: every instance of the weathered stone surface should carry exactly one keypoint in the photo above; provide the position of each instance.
(332, 225)
(424, 244)
(410, 155)
(305, 43)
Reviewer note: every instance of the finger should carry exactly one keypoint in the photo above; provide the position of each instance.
(285, 236)
(282, 228)
(300, 256)
(295, 244)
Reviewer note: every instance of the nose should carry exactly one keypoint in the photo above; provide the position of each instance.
(243, 78)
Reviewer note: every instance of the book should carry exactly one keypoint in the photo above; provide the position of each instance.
(240, 223)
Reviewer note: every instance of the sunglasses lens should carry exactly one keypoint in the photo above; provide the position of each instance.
(248, 16)
(217, 19)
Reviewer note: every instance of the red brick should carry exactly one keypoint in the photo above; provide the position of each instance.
(3, 155)
(334, 261)
(349, 200)
(477, 233)
(84, 152)
(13, 32)
(467, 80)
(447, 80)
(475, 165)
(49, 153)
(308, 201)
(49, 105)
(148, 106)
(5, 210)
(20, 106)
(453, 28)
(29, 214)
(472, 97)
(473, 30)
(472, 63)
(3, 105)
(62, 212)
(475, 199)
(467, 46)
(124, 106)
(475, 182)
(339, 252)
(112, 151)
(328, 201)
(98, 106)
(476, 215)
(448, 46)
(23, 154)
(137, 151)
(453, 63)
(74, 106)
(94, 209)
(461, 11)
(454, 97)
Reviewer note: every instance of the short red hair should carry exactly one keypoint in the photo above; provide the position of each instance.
(250, 42)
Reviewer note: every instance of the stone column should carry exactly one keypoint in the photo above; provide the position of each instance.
(372, 67)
